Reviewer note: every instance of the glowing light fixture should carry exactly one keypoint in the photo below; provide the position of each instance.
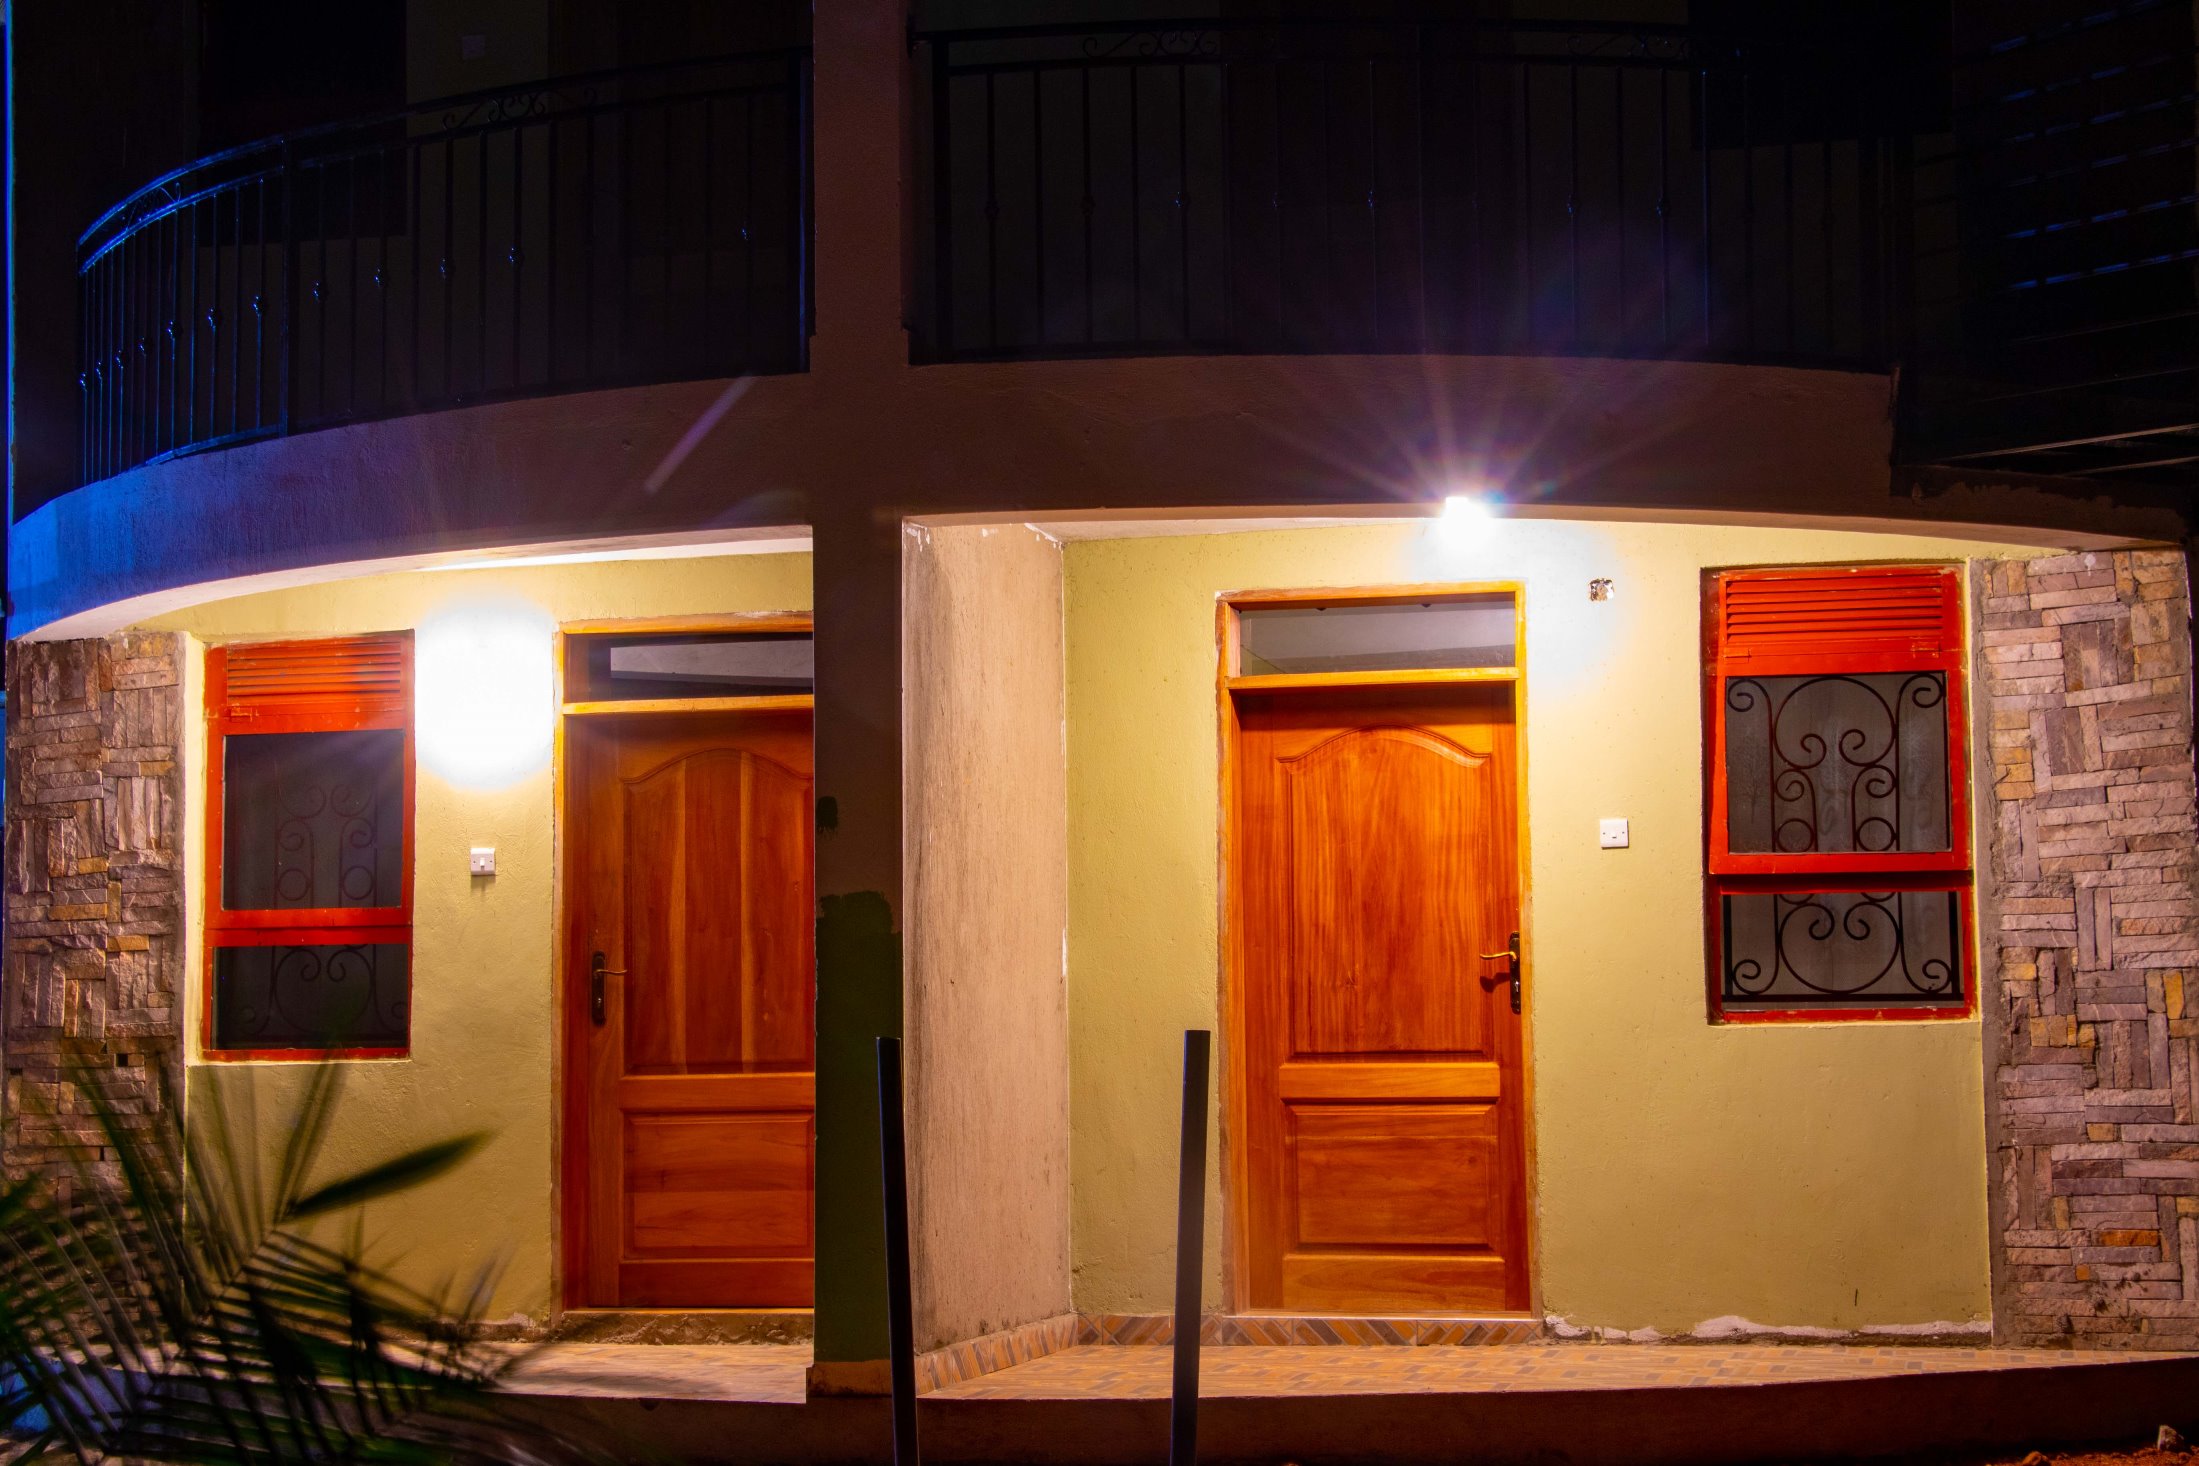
(1467, 509)
(483, 710)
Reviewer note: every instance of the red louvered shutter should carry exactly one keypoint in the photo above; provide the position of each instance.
(1839, 807)
(319, 893)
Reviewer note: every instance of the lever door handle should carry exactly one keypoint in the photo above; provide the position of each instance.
(597, 972)
(1511, 956)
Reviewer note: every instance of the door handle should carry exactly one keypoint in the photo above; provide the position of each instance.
(597, 972)
(1511, 956)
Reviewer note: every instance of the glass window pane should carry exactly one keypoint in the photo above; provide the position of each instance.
(1477, 631)
(1812, 949)
(313, 820)
(1838, 763)
(700, 666)
(321, 997)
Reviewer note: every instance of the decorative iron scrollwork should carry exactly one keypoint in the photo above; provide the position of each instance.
(311, 997)
(1811, 947)
(1828, 751)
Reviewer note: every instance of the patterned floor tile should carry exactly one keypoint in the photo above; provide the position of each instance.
(1267, 1371)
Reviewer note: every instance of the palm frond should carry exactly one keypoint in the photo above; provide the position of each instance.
(170, 1307)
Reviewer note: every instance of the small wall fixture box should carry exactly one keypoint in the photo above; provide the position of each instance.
(1611, 834)
(481, 860)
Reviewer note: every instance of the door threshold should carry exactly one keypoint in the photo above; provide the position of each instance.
(1319, 1330)
(683, 1326)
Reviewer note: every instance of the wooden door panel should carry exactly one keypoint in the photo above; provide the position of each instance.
(718, 1185)
(1363, 1283)
(1373, 892)
(1374, 859)
(691, 852)
(718, 934)
(1393, 1175)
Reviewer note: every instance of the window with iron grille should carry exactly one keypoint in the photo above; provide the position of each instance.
(309, 848)
(1839, 829)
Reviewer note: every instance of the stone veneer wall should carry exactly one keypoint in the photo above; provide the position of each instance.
(94, 913)
(2092, 1020)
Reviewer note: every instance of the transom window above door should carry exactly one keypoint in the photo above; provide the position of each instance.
(763, 659)
(1314, 638)
(1839, 861)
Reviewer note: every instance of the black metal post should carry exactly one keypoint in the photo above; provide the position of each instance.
(900, 1313)
(1183, 1406)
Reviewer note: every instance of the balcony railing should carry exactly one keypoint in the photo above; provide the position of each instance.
(633, 226)
(1346, 186)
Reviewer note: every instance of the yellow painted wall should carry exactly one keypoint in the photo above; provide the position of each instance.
(1802, 1175)
(483, 1031)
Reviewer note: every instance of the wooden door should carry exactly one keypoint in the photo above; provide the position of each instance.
(1382, 1123)
(693, 1084)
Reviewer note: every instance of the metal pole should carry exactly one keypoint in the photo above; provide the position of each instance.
(1183, 1407)
(900, 1315)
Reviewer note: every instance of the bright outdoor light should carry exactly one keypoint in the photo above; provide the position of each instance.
(1465, 522)
(482, 700)
(1466, 509)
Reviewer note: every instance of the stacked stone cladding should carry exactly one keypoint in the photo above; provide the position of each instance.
(2091, 948)
(94, 869)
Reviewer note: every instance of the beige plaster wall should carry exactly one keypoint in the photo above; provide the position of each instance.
(483, 1029)
(1803, 1175)
(985, 1009)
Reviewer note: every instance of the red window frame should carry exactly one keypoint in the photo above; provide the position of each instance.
(1813, 621)
(335, 685)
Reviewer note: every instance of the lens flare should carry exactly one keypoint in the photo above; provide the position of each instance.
(483, 699)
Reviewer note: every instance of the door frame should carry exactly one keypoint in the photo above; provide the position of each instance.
(569, 950)
(1230, 683)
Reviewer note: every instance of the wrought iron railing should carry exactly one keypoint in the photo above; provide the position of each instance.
(625, 227)
(1352, 185)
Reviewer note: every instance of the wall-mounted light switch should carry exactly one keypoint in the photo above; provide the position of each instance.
(1612, 834)
(481, 860)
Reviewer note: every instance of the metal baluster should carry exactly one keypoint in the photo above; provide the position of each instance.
(481, 261)
(1420, 183)
(1038, 198)
(1084, 78)
(1137, 222)
(1573, 189)
(992, 219)
(748, 236)
(259, 319)
(415, 294)
(1748, 218)
(1374, 218)
(588, 248)
(518, 254)
(1524, 244)
(1624, 298)
(710, 225)
(351, 290)
(1664, 210)
(236, 306)
(1229, 199)
(665, 352)
(550, 234)
(1183, 192)
(442, 265)
(1703, 144)
(382, 277)
(1786, 149)
(943, 203)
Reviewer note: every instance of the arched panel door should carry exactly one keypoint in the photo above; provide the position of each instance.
(693, 987)
(1376, 862)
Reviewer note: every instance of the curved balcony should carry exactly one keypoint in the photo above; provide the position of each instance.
(627, 227)
(1351, 185)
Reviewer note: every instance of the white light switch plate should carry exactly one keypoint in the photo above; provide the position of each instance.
(481, 860)
(1611, 834)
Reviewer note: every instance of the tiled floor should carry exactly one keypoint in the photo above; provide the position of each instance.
(763, 1373)
(773, 1373)
(1142, 1372)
